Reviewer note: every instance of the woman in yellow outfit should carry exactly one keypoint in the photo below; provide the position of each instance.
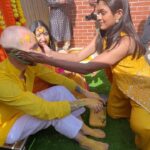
(123, 52)
(42, 35)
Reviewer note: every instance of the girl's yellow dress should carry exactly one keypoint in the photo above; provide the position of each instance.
(132, 77)
(130, 97)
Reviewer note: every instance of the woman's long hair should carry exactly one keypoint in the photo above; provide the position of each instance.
(125, 25)
(37, 24)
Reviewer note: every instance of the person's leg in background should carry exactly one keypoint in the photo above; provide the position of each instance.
(56, 46)
(66, 45)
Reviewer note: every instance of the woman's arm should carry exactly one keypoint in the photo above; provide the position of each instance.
(105, 59)
(76, 57)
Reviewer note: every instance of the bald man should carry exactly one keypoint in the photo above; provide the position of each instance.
(23, 113)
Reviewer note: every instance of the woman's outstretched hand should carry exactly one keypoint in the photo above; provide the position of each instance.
(32, 55)
(45, 48)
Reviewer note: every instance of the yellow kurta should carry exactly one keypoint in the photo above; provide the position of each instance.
(17, 99)
(132, 77)
(130, 96)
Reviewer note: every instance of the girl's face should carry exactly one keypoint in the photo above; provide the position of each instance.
(105, 17)
(42, 35)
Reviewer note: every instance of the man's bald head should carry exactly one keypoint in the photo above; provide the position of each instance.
(16, 37)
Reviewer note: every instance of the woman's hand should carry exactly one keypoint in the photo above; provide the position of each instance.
(33, 56)
(45, 48)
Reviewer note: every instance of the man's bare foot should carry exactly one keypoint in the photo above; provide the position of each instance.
(97, 119)
(95, 145)
(91, 144)
(98, 133)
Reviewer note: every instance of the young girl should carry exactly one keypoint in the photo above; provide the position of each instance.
(43, 37)
(124, 54)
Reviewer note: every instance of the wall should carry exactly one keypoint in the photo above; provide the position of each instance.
(84, 30)
(35, 10)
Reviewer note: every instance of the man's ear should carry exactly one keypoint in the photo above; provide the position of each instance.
(118, 14)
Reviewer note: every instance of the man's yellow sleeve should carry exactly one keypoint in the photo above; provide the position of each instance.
(52, 77)
(27, 102)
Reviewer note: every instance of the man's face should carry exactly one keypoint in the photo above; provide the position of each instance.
(26, 42)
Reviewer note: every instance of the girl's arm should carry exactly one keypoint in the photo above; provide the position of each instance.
(105, 59)
(76, 57)
(108, 58)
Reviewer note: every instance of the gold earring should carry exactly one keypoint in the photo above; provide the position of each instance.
(117, 20)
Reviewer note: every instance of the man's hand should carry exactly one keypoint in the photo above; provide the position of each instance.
(94, 104)
(93, 95)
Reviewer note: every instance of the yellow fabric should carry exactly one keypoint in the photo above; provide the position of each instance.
(130, 97)
(16, 97)
(78, 78)
(121, 107)
(132, 77)
(118, 104)
(39, 84)
(77, 50)
(140, 124)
